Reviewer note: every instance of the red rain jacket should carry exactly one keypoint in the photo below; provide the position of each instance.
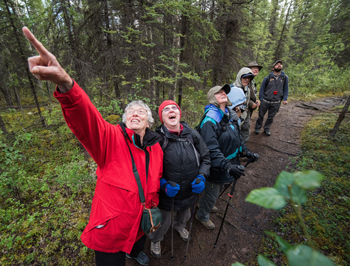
(116, 203)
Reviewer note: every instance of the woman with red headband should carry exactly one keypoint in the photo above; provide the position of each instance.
(185, 161)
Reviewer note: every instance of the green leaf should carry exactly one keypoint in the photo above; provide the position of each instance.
(267, 197)
(302, 255)
(237, 264)
(299, 194)
(308, 179)
(263, 261)
(284, 244)
(284, 179)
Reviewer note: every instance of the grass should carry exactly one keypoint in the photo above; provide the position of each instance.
(327, 211)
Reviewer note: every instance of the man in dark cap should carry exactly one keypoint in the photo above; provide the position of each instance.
(273, 90)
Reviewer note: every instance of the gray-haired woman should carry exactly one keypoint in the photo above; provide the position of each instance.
(114, 228)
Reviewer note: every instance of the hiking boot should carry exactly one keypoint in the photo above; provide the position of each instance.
(208, 224)
(267, 132)
(155, 249)
(214, 209)
(183, 233)
(257, 131)
(142, 258)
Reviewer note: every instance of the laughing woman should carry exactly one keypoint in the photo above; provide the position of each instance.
(186, 159)
(113, 231)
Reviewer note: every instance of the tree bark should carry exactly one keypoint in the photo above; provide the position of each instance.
(340, 118)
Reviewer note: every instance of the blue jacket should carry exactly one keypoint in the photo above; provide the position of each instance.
(222, 135)
(265, 93)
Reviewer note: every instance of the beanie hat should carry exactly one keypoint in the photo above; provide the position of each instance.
(163, 105)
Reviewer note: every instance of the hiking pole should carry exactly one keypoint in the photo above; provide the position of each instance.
(249, 161)
(198, 180)
(173, 184)
(240, 167)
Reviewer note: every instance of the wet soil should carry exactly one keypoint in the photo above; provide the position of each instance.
(245, 223)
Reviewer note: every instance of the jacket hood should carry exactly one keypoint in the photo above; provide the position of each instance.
(237, 96)
(243, 71)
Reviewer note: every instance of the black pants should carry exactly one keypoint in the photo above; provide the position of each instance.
(118, 258)
(272, 109)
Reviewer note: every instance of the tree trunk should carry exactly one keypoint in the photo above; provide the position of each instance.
(340, 118)
(279, 50)
(6, 94)
(182, 45)
(24, 60)
(2, 126)
(152, 88)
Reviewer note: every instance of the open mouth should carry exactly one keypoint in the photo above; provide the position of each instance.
(172, 117)
(135, 121)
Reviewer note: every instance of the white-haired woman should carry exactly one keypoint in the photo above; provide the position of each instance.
(114, 228)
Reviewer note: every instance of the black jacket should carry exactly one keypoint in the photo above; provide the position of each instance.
(221, 133)
(180, 165)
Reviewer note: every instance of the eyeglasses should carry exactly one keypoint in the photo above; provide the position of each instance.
(168, 108)
(138, 111)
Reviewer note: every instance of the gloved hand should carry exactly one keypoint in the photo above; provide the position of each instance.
(170, 188)
(198, 184)
(251, 156)
(236, 170)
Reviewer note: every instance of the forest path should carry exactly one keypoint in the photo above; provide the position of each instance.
(246, 222)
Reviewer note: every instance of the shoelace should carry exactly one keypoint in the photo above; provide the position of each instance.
(184, 232)
(156, 246)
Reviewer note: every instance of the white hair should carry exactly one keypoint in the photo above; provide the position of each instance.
(150, 119)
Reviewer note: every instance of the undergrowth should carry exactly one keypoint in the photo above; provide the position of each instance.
(327, 212)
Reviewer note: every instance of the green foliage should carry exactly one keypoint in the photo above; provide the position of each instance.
(291, 187)
(46, 188)
(327, 209)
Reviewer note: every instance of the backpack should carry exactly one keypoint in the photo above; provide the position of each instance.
(186, 139)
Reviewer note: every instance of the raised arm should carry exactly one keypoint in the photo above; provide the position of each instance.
(45, 65)
(80, 114)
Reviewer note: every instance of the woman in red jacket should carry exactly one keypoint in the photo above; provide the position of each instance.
(114, 225)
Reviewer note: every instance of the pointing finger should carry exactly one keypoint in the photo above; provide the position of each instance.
(37, 45)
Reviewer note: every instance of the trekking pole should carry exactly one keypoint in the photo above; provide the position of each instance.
(198, 180)
(173, 184)
(240, 167)
(249, 161)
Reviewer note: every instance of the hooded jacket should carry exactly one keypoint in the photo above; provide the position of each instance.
(238, 84)
(116, 210)
(221, 133)
(181, 166)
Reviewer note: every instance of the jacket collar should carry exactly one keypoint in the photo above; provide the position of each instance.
(163, 130)
(149, 139)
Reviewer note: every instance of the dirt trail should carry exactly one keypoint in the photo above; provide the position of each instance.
(241, 235)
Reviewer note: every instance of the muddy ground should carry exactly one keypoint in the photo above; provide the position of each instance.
(245, 223)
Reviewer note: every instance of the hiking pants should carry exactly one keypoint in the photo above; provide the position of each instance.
(245, 129)
(272, 109)
(180, 219)
(118, 258)
(208, 200)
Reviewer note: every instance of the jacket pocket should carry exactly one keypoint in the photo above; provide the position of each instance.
(114, 232)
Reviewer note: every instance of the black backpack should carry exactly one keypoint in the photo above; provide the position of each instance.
(186, 139)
